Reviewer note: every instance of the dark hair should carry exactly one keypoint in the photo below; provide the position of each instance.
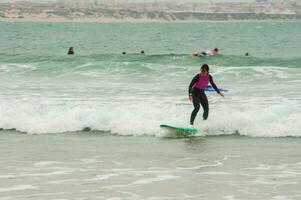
(216, 49)
(124, 52)
(204, 68)
(142, 51)
(70, 51)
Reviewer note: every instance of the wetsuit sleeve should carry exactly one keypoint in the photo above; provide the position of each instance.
(193, 81)
(213, 84)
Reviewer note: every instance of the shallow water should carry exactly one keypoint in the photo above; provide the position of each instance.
(95, 165)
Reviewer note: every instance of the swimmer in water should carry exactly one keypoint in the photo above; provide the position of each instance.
(212, 52)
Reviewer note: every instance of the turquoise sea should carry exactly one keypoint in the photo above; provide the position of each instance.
(86, 126)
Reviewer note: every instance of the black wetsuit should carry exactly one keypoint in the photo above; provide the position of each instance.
(199, 97)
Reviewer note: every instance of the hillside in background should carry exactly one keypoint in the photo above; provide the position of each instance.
(166, 11)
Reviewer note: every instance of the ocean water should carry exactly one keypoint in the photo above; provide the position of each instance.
(86, 126)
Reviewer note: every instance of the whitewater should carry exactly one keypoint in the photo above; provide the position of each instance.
(262, 100)
(132, 94)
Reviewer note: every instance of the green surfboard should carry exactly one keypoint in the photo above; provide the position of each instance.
(176, 131)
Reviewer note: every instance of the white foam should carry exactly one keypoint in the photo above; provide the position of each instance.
(102, 177)
(45, 163)
(278, 197)
(138, 107)
(250, 118)
(230, 197)
(18, 187)
(16, 68)
(155, 179)
(63, 181)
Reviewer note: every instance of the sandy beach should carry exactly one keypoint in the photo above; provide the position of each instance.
(147, 13)
(57, 19)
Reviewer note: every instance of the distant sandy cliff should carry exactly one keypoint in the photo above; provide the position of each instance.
(95, 11)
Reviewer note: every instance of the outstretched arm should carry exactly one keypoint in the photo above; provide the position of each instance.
(214, 86)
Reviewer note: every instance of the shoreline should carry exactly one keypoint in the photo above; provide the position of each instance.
(134, 21)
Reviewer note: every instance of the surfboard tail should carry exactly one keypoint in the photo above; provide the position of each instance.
(175, 131)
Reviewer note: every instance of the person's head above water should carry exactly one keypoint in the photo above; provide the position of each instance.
(142, 52)
(70, 51)
(216, 49)
(205, 69)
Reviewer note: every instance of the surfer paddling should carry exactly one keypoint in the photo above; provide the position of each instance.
(196, 92)
(212, 52)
